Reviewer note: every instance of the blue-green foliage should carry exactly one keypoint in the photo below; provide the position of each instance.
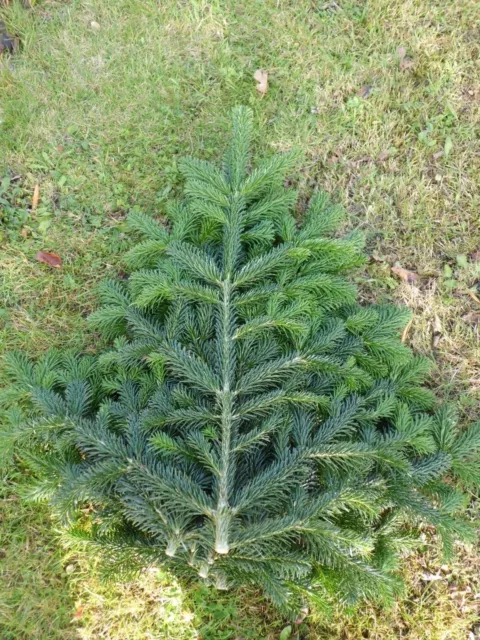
(252, 423)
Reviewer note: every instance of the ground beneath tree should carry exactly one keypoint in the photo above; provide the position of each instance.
(96, 107)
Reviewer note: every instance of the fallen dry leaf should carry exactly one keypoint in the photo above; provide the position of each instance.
(431, 577)
(360, 161)
(302, 615)
(405, 62)
(405, 275)
(335, 157)
(35, 197)
(472, 318)
(8, 43)
(78, 613)
(437, 331)
(473, 296)
(261, 76)
(475, 256)
(49, 258)
(364, 92)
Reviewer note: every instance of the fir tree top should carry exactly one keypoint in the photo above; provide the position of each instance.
(253, 424)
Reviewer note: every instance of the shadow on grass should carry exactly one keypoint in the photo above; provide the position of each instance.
(35, 600)
(45, 594)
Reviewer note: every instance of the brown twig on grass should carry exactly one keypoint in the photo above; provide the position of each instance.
(406, 330)
(474, 297)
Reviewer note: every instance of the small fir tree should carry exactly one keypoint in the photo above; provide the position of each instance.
(253, 424)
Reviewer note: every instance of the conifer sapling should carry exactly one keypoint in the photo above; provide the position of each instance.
(252, 423)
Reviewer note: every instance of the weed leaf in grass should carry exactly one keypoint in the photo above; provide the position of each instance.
(286, 633)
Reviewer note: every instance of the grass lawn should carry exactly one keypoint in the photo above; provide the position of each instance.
(383, 99)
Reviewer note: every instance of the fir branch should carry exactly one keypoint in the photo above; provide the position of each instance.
(252, 423)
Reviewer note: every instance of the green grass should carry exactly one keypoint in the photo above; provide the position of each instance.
(98, 117)
(35, 600)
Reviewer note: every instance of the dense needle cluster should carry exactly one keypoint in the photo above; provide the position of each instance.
(252, 424)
